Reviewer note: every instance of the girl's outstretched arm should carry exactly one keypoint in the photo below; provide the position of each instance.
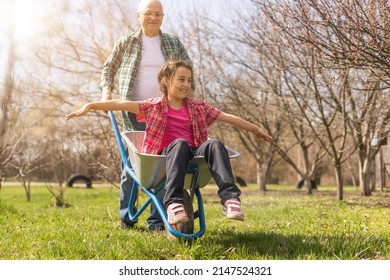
(109, 105)
(243, 124)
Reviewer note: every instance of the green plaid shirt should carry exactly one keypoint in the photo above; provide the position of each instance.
(126, 58)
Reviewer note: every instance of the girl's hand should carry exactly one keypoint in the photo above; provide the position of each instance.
(260, 134)
(80, 112)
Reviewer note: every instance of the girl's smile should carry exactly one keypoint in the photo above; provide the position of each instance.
(179, 87)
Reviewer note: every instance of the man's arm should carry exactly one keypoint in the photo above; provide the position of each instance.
(106, 93)
(110, 68)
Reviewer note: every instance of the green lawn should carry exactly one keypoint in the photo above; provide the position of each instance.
(283, 224)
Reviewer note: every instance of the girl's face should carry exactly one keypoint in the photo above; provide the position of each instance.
(179, 86)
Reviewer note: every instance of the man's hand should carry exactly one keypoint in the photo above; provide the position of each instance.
(106, 94)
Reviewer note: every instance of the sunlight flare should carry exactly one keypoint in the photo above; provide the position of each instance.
(22, 19)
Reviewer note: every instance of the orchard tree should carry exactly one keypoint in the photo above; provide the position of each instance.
(349, 43)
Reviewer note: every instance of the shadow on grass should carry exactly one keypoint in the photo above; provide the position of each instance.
(260, 245)
(272, 245)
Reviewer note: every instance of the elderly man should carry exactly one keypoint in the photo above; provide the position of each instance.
(138, 58)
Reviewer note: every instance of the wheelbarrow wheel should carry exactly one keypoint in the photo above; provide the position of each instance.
(188, 227)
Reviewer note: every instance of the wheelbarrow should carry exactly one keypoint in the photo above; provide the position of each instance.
(149, 174)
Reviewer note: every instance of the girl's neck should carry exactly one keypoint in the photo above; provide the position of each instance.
(175, 103)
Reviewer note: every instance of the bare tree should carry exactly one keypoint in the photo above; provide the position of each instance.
(7, 140)
(27, 160)
(9, 136)
(239, 98)
(72, 57)
(253, 53)
(350, 38)
(55, 172)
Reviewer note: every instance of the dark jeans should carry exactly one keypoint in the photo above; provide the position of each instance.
(179, 153)
(126, 183)
(154, 220)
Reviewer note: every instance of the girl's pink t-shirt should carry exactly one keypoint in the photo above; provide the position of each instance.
(178, 126)
(154, 112)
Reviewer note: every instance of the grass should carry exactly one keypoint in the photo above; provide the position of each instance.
(283, 224)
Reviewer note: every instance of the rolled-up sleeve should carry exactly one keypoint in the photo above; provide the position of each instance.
(111, 65)
(211, 114)
(144, 110)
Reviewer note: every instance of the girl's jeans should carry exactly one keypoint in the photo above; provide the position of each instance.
(179, 153)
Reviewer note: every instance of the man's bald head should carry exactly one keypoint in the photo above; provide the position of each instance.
(143, 4)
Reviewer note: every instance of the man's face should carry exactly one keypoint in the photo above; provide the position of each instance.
(151, 18)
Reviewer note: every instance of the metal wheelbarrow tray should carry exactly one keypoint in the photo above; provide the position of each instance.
(148, 172)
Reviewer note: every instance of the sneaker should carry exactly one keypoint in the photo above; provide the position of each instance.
(125, 225)
(232, 209)
(177, 214)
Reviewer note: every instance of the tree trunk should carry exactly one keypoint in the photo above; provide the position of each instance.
(373, 175)
(28, 190)
(339, 182)
(365, 177)
(261, 174)
(381, 170)
(308, 186)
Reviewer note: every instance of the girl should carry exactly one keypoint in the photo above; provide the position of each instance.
(176, 126)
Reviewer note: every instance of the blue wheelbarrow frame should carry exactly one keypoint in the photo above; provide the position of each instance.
(148, 173)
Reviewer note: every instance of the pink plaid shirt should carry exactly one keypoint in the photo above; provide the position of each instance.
(154, 112)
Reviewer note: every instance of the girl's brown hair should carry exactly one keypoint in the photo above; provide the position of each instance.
(169, 69)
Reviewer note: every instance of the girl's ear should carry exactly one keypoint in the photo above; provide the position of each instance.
(166, 82)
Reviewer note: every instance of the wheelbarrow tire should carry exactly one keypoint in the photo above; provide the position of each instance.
(188, 227)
